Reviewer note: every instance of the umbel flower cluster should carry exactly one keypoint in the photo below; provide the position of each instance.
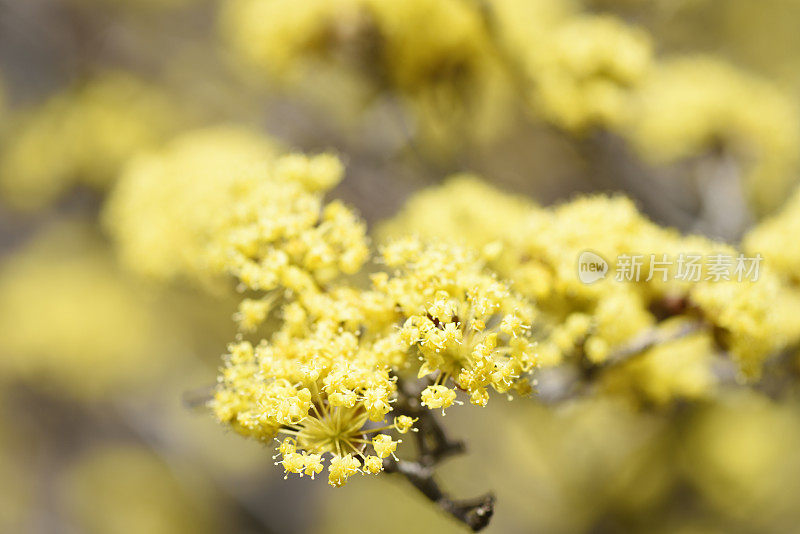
(594, 325)
(324, 380)
(118, 341)
(582, 72)
(345, 348)
(82, 135)
(663, 398)
(379, 46)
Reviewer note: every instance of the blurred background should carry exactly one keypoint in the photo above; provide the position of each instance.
(689, 107)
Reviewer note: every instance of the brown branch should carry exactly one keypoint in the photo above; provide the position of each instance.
(649, 339)
(474, 513)
(725, 211)
(563, 383)
(433, 447)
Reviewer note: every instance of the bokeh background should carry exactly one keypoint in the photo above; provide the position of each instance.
(689, 107)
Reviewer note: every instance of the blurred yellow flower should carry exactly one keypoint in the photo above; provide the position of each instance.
(587, 75)
(776, 239)
(163, 209)
(696, 105)
(741, 455)
(82, 136)
(71, 323)
(538, 249)
(126, 489)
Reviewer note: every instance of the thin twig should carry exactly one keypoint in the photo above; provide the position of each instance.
(649, 339)
(434, 446)
(474, 513)
(564, 384)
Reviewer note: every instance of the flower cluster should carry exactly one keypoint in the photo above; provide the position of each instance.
(279, 233)
(325, 380)
(380, 46)
(774, 237)
(274, 34)
(753, 318)
(696, 104)
(576, 70)
(587, 76)
(321, 394)
(163, 208)
(73, 324)
(464, 209)
(222, 200)
(750, 320)
(465, 324)
(82, 136)
(662, 366)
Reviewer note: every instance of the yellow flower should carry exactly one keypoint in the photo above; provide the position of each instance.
(373, 465)
(694, 105)
(253, 312)
(381, 45)
(82, 135)
(221, 200)
(404, 423)
(72, 323)
(313, 464)
(341, 468)
(753, 320)
(442, 291)
(586, 76)
(438, 397)
(330, 368)
(293, 462)
(384, 446)
(774, 239)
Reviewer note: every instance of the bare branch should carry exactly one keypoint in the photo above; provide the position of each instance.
(651, 338)
(434, 446)
(474, 513)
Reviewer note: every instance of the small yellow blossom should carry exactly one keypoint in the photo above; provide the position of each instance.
(313, 464)
(373, 465)
(341, 468)
(438, 396)
(252, 313)
(293, 462)
(384, 446)
(404, 423)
